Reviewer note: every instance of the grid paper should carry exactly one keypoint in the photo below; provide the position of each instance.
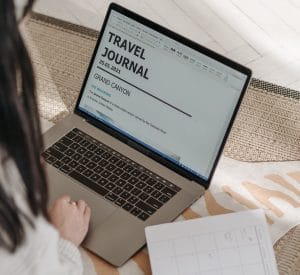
(231, 244)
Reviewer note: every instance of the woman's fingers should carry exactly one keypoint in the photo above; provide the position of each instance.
(65, 198)
(87, 210)
(87, 214)
(81, 205)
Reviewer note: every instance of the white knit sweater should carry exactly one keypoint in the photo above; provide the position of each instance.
(44, 251)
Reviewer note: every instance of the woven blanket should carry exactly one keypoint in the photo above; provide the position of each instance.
(266, 129)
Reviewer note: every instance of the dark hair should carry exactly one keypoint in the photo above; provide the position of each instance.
(20, 135)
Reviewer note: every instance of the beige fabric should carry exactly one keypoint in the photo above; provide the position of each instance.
(287, 252)
(267, 126)
(60, 56)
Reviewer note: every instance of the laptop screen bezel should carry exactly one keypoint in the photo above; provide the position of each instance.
(185, 41)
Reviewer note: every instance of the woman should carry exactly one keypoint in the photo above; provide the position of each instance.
(32, 240)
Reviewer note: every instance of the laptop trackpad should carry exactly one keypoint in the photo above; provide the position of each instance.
(60, 185)
(118, 238)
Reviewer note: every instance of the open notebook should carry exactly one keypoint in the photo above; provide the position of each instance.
(232, 244)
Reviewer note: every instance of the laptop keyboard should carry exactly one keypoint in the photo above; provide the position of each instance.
(109, 173)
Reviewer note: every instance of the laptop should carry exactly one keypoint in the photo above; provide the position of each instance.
(150, 123)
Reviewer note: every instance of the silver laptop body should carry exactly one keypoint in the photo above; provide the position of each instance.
(107, 113)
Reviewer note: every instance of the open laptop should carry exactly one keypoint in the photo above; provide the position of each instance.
(147, 131)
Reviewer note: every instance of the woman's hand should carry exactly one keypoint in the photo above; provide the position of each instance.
(70, 218)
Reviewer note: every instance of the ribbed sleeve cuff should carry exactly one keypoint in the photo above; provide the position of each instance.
(68, 250)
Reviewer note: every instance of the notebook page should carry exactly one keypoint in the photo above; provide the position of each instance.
(230, 244)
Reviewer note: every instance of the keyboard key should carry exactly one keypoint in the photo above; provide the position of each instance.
(143, 196)
(73, 164)
(127, 206)
(145, 207)
(148, 189)
(103, 181)
(143, 216)
(133, 200)
(172, 186)
(118, 190)
(159, 186)
(84, 161)
(110, 167)
(70, 135)
(113, 159)
(110, 186)
(81, 150)
(66, 159)
(84, 143)
(78, 139)
(143, 177)
(169, 192)
(92, 147)
(66, 169)
(120, 202)
(69, 152)
(120, 182)
(98, 169)
(106, 155)
(112, 197)
(133, 180)
(118, 172)
(103, 162)
(151, 181)
(76, 157)
(66, 141)
(125, 176)
(88, 154)
(140, 184)
(51, 159)
(135, 211)
(136, 172)
(136, 191)
(121, 163)
(45, 155)
(105, 174)
(57, 164)
(128, 168)
(91, 165)
(125, 195)
(95, 158)
(95, 177)
(155, 194)
(154, 203)
(88, 173)
(60, 147)
(53, 152)
(99, 151)
(163, 198)
(74, 146)
(80, 169)
(128, 187)
(76, 131)
(113, 178)
(89, 183)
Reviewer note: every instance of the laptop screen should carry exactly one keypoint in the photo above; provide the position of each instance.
(162, 94)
